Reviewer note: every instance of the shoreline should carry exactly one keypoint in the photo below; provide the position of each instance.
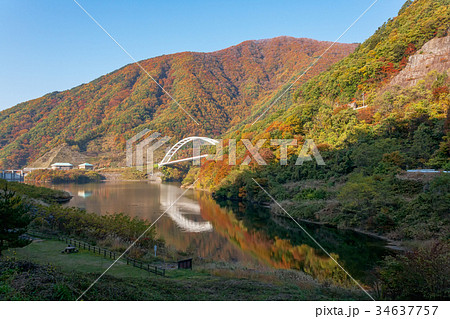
(391, 244)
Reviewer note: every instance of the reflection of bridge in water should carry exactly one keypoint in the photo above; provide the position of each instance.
(182, 208)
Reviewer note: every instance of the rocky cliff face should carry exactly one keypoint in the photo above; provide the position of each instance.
(434, 55)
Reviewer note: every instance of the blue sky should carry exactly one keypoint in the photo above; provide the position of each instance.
(52, 45)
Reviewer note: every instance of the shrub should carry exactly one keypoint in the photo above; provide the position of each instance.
(422, 274)
(117, 229)
(59, 177)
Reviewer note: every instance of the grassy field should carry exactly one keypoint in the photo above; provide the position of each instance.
(40, 272)
(49, 251)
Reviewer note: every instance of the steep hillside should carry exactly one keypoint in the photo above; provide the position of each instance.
(433, 56)
(384, 54)
(217, 89)
(319, 110)
(403, 71)
(61, 154)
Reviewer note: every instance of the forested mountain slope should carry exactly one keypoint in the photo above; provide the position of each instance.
(319, 109)
(405, 124)
(217, 89)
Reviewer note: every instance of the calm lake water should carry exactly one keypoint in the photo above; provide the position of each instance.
(225, 232)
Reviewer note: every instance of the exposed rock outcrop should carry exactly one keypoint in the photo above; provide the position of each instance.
(434, 55)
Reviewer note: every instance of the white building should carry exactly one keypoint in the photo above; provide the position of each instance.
(86, 166)
(62, 166)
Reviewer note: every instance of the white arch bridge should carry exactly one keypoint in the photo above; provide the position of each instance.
(172, 151)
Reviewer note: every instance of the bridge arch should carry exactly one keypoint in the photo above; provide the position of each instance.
(172, 151)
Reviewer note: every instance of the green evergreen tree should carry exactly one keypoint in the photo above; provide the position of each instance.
(14, 219)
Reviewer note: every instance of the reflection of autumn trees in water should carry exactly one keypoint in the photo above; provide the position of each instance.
(248, 236)
(278, 253)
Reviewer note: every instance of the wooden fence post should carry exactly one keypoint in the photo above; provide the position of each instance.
(135, 263)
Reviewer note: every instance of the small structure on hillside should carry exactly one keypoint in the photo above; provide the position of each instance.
(86, 166)
(185, 264)
(62, 166)
(355, 105)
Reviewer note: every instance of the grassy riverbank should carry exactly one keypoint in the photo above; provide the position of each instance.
(66, 276)
(78, 176)
(122, 174)
(40, 272)
(44, 194)
(49, 251)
